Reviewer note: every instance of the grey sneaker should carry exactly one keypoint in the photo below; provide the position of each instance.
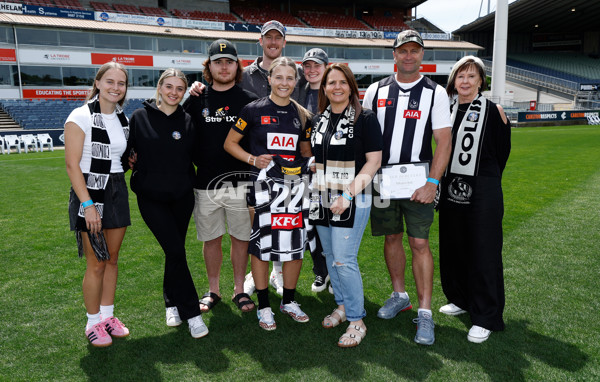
(394, 305)
(425, 325)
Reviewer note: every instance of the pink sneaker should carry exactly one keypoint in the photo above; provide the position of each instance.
(115, 328)
(98, 336)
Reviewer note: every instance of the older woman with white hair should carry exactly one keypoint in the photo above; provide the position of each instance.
(471, 203)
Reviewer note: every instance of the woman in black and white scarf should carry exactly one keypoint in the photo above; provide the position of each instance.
(471, 203)
(347, 144)
(95, 139)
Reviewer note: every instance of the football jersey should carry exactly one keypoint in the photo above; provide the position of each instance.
(271, 129)
(280, 196)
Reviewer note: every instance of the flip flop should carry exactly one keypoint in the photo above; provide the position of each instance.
(205, 300)
(240, 304)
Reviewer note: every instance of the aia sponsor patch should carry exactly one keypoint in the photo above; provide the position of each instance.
(241, 124)
(268, 120)
(286, 221)
(386, 102)
(414, 114)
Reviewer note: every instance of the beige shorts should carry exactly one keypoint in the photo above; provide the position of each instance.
(217, 214)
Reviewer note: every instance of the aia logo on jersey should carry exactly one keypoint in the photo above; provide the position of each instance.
(386, 102)
(286, 221)
(282, 141)
(268, 120)
(413, 114)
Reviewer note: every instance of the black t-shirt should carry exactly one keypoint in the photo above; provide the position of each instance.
(312, 100)
(272, 129)
(213, 113)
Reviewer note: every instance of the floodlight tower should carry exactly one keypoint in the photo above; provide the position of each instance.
(499, 55)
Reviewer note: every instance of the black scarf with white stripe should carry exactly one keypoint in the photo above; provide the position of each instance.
(97, 178)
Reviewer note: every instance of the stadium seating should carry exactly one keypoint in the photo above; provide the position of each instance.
(385, 23)
(42, 3)
(126, 8)
(2, 145)
(570, 66)
(27, 141)
(319, 19)
(203, 15)
(153, 11)
(101, 7)
(45, 140)
(262, 15)
(69, 4)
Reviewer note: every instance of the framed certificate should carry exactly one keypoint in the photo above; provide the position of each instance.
(399, 181)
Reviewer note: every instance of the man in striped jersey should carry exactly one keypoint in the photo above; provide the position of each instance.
(411, 109)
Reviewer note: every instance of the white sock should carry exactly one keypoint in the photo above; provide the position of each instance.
(402, 294)
(107, 311)
(277, 267)
(428, 311)
(93, 319)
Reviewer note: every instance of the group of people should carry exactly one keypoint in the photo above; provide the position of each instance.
(302, 161)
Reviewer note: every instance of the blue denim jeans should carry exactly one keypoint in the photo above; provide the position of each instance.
(340, 246)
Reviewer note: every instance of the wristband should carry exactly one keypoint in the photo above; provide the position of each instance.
(254, 164)
(434, 181)
(248, 160)
(87, 204)
(347, 197)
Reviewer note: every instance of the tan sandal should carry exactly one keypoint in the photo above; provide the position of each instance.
(355, 333)
(334, 321)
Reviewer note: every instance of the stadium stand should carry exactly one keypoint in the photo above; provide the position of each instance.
(385, 23)
(578, 67)
(203, 15)
(262, 15)
(126, 8)
(153, 11)
(101, 7)
(320, 19)
(49, 113)
(42, 3)
(69, 4)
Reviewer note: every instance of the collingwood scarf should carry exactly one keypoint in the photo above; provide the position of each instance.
(466, 151)
(333, 147)
(97, 178)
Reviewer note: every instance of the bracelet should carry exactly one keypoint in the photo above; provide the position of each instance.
(87, 204)
(254, 164)
(347, 197)
(248, 160)
(349, 193)
(434, 181)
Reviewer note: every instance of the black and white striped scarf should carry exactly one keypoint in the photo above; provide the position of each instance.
(97, 178)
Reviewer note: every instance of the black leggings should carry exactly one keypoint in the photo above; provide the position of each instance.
(169, 221)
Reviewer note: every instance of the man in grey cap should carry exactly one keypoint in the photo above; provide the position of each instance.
(272, 40)
(313, 63)
(411, 109)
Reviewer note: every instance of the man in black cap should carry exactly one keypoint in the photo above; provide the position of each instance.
(410, 109)
(218, 211)
(272, 40)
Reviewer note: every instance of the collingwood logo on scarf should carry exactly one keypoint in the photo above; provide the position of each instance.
(468, 138)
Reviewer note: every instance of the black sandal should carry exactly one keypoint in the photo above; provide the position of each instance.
(210, 304)
(240, 304)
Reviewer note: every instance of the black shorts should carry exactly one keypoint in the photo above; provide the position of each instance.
(116, 203)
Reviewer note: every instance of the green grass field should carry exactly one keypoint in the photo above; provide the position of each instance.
(551, 267)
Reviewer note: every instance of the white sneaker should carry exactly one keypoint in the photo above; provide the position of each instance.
(173, 318)
(452, 310)
(293, 310)
(320, 284)
(266, 319)
(330, 289)
(276, 281)
(197, 327)
(477, 334)
(249, 286)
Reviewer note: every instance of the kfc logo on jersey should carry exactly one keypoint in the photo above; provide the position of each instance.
(268, 120)
(286, 221)
(385, 103)
(413, 114)
(282, 141)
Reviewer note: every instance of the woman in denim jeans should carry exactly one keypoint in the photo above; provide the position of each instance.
(347, 144)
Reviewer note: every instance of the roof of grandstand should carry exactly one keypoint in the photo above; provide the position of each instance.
(548, 16)
(169, 31)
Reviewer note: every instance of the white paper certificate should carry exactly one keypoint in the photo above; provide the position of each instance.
(400, 181)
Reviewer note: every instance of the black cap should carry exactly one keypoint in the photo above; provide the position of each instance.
(406, 36)
(317, 55)
(273, 24)
(222, 48)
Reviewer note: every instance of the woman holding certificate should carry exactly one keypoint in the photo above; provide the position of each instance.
(471, 203)
(347, 145)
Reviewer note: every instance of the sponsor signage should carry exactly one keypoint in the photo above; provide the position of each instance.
(11, 8)
(565, 115)
(133, 19)
(54, 93)
(198, 24)
(125, 59)
(589, 87)
(37, 56)
(178, 62)
(58, 12)
(8, 55)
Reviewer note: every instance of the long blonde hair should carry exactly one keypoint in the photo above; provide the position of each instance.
(171, 72)
(103, 69)
(303, 113)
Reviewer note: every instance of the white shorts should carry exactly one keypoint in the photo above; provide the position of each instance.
(218, 213)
